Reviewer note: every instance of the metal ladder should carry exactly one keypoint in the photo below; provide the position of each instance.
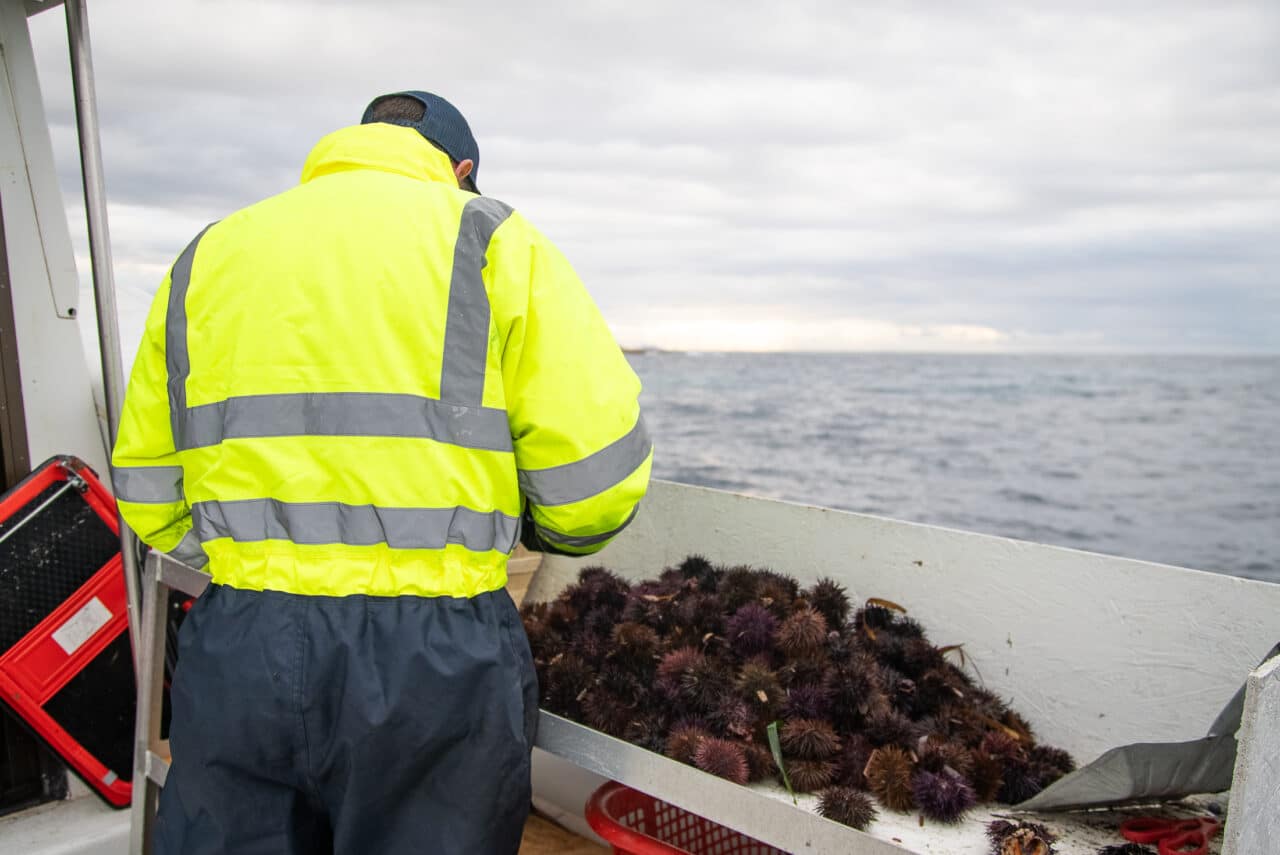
(150, 768)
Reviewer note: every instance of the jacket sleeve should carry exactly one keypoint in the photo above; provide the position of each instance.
(581, 446)
(145, 471)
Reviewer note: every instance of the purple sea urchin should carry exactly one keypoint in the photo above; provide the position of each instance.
(808, 700)
(802, 634)
(808, 776)
(847, 806)
(942, 796)
(751, 630)
(809, 739)
(722, 758)
(888, 774)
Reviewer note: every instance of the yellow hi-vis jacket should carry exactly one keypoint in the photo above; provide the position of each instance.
(353, 387)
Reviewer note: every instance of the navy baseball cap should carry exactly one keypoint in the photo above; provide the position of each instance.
(441, 124)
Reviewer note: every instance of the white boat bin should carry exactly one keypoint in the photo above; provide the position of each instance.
(1095, 651)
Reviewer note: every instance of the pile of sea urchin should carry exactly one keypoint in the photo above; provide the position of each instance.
(697, 664)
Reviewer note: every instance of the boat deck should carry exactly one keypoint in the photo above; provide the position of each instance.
(542, 837)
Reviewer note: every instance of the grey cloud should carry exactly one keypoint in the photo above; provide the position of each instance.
(1103, 170)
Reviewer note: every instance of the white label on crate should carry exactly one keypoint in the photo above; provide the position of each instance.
(92, 617)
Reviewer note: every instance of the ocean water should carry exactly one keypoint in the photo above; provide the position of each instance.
(1168, 459)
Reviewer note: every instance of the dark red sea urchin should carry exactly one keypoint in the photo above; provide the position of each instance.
(683, 742)
(942, 796)
(635, 645)
(722, 758)
(760, 763)
(672, 668)
(848, 806)
(598, 588)
(751, 630)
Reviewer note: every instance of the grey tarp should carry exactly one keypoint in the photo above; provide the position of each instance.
(1152, 771)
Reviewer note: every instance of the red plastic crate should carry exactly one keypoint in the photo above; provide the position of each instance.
(635, 823)
(66, 667)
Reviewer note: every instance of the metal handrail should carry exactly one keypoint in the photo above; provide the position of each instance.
(150, 766)
(104, 286)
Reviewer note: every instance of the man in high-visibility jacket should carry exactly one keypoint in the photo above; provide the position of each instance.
(347, 400)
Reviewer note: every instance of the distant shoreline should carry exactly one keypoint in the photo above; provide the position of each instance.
(1183, 354)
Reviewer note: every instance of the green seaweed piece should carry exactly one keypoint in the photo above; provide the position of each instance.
(776, 747)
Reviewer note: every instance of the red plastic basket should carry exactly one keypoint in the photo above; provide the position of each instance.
(635, 823)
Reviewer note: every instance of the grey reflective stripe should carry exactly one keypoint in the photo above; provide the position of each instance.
(152, 485)
(466, 332)
(177, 358)
(590, 476)
(110, 778)
(346, 414)
(585, 540)
(249, 520)
(457, 419)
(189, 551)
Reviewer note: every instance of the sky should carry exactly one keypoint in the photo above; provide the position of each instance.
(970, 176)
